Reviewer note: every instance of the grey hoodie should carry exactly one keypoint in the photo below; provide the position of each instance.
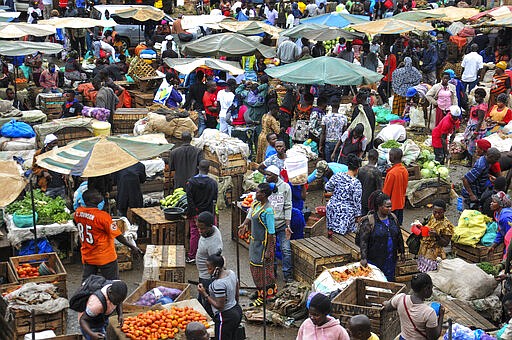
(281, 202)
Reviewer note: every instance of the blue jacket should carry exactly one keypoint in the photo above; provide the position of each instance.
(429, 58)
(504, 219)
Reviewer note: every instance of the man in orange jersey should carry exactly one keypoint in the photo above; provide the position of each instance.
(395, 184)
(97, 233)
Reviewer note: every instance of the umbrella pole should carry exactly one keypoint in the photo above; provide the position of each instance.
(33, 214)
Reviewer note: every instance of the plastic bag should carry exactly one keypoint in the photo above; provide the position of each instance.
(28, 248)
(471, 227)
(163, 93)
(383, 115)
(489, 236)
(154, 295)
(361, 118)
(417, 118)
(15, 129)
(98, 113)
(411, 151)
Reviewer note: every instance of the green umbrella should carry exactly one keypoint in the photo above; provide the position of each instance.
(417, 16)
(320, 32)
(98, 156)
(226, 44)
(324, 70)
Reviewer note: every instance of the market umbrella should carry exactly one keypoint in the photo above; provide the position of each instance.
(188, 65)
(452, 13)
(250, 27)
(419, 16)
(319, 32)
(499, 22)
(141, 13)
(19, 30)
(98, 156)
(226, 44)
(12, 182)
(205, 20)
(324, 70)
(70, 22)
(8, 16)
(335, 19)
(391, 26)
(17, 48)
(494, 12)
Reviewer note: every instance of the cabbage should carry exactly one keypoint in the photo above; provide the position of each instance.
(443, 171)
(426, 173)
(425, 154)
(429, 165)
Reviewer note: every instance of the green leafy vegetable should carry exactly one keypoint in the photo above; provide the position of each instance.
(488, 268)
(48, 210)
(390, 144)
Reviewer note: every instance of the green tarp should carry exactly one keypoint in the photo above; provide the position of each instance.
(226, 44)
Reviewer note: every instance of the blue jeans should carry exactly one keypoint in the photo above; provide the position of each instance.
(468, 86)
(201, 123)
(328, 149)
(286, 250)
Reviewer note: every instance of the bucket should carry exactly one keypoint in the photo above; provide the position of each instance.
(101, 128)
(297, 169)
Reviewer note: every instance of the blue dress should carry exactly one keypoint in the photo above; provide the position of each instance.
(345, 203)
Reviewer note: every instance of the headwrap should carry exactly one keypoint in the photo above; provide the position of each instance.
(483, 144)
(450, 72)
(502, 199)
(502, 64)
(411, 92)
(405, 77)
(274, 170)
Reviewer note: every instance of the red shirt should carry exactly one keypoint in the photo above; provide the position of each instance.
(446, 126)
(210, 99)
(391, 62)
(395, 185)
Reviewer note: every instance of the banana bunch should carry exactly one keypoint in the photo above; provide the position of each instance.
(173, 199)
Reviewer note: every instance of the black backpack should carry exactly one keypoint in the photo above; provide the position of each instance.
(91, 286)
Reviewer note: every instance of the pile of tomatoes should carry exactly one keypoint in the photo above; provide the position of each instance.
(247, 202)
(26, 271)
(161, 324)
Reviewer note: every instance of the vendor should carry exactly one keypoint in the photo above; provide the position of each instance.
(72, 107)
(474, 129)
(448, 125)
(500, 83)
(277, 159)
(49, 79)
(50, 182)
(325, 171)
(353, 142)
(500, 114)
(501, 206)
(15, 102)
(477, 179)
(393, 131)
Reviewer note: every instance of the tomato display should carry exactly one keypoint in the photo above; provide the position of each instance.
(161, 324)
(26, 271)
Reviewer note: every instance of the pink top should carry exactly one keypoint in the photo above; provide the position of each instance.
(444, 99)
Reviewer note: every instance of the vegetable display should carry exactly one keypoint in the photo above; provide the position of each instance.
(357, 271)
(390, 144)
(27, 271)
(247, 202)
(488, 268)
(49, 210)
(177, 199)
(161, 324)
(431, 168)
(153, 296)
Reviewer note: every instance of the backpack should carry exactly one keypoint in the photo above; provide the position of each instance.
(371, 220)
(91, 286)
(255, 99)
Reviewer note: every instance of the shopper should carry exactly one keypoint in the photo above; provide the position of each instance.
(370, 178)
(395, 184)
(184, 160)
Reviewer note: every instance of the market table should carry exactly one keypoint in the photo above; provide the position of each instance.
(462, 313)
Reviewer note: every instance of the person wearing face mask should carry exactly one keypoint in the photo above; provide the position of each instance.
(50, 182)
(97, 233)
(49, 79)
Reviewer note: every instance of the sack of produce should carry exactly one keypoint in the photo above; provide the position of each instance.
(417, 118)
(158, 295)
(297, 169)
(471, 227)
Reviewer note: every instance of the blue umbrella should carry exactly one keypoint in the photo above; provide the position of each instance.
(336, 19)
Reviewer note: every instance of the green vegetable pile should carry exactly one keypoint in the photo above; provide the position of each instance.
(390, 144)
(49, 210)
(177, 199)
(431, 168)
(488, 268)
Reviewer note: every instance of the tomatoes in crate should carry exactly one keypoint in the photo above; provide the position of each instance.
(25, 270)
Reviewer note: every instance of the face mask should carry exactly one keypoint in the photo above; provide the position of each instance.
(52, 70)
(101, 205)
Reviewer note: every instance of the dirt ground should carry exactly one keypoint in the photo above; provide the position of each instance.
(253, 331)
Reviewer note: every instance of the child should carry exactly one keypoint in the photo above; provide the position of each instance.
(359, 328)
(319, 325)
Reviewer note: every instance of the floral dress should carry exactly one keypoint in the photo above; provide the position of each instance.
(430, 250)
(345, 203)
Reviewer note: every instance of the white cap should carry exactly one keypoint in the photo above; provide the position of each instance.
(49, 138)
(455, 111)
(273, 169)
(169, 37)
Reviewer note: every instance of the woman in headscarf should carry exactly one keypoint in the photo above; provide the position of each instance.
(500, 83)
(297, 14)
(501, 204)
(402, 79)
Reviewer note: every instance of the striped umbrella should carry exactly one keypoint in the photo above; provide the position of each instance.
(98, 156)
(10, 178)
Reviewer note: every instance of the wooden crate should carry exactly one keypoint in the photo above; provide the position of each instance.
(164, 263)
(124, 119)
(478, 253)
(315, 226)
(52, 260)
(70, 134)
(312, 255)
(238, 215)
(51, 103)
(414, 171)
(141, 99)
(20, 321)
(69, 337)
(153, 227)
(236, 164)
(364, 296)
(7, 272)
(130, 306)
(462, 313)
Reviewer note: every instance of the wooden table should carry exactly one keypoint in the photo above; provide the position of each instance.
(164, 263)
(462, 313)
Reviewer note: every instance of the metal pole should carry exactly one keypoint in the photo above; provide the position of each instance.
(33, 214)
(33, 323)
(264, 299)
(238, 247)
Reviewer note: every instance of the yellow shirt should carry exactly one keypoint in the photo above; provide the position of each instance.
(373, 337)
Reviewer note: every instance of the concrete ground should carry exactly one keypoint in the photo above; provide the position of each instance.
(253, 331)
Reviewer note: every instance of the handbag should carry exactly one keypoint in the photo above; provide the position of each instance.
(414, 242)
(412, 322)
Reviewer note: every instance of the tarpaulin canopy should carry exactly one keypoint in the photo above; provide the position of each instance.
(141, 13)
(319, 32)
(391, 26)
(454, 13)
(250, 27)
(18, 48)
(324, 70)
(98, 156)
(494, 12)
(419, 16)
(188, 65)
(499, 22)
(335, 19)
(70, 22)
(19, 30)
(211, 21)
(8, 16)
(12, 182)
(226, 44)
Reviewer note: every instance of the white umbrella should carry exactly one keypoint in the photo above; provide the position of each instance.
(188, 65)
(18, 48)
(8, 16)
(19, 30)
(71, 22)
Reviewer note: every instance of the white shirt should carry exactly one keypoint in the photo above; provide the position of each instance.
(225, 99)
(31, 10)
(47, 2)
(290, 20)
(311, 8)
(472, 63)
(393, 132)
